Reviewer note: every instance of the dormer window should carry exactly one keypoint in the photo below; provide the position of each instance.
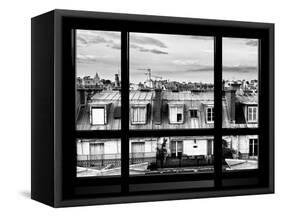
(193, 113)
(99, 113)
(138, 114)
(98, 116)
(210, 115)
(176, 114)
(252, 114)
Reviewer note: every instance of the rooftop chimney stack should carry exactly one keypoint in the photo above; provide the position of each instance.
(230, 96)
(157, 113)
(117, 82)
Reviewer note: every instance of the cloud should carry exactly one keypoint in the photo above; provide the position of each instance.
(114, 45)
(185, 62)
(81, 40)
(252, 42)
(239, 68)
(207, 38)
(87, 38)
(143, 49)
(200, 68)
(86, 59)
(155, 51)
(110, 34)
(134, 46)
(93, 39)
(144, 40)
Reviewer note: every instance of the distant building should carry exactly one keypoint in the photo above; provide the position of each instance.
(172, 105)
(240, 110)
(187, 151)
(96, 79)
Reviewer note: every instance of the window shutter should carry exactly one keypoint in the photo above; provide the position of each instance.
(254, 114)
(172, 114)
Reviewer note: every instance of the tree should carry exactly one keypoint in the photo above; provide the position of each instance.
(106, 82)
(226, 151)
(161, 153)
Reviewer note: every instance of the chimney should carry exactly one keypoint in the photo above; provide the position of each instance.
(235, 86)
(157, 108)
(230, 97)
(117, 82)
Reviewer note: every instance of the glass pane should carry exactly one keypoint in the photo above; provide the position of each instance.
(240, 152)
(98, 157)
(168, 155)
(169, 76)
(98, 80)
(240, 83)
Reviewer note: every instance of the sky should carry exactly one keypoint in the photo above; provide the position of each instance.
(240, 59)
(173, 57)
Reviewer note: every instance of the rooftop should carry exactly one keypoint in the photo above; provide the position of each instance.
(158, 109)
(248, 99)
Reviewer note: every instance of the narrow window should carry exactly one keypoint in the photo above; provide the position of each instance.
(176, 149)
(253, 147)
(210, 115)
(139, 115)
(252, 114)
(173, 149)
(179, 149)
(179, 117)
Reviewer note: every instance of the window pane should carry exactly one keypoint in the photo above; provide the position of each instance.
(240, 82)
(98, 157)
(97, 115)
(171, 74)
(166, 155)
(193, 113)
(98, 80)
(142, 114)
(240, 152)
(179, 117)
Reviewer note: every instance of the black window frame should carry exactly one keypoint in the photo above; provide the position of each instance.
(77, 188)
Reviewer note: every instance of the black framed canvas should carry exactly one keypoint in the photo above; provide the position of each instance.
(129, 108)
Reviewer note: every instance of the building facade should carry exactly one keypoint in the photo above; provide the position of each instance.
(163, 109)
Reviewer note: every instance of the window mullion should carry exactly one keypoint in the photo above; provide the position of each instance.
(218, 110)
(124, 110)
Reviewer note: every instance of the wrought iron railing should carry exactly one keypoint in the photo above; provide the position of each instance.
(101, 160)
